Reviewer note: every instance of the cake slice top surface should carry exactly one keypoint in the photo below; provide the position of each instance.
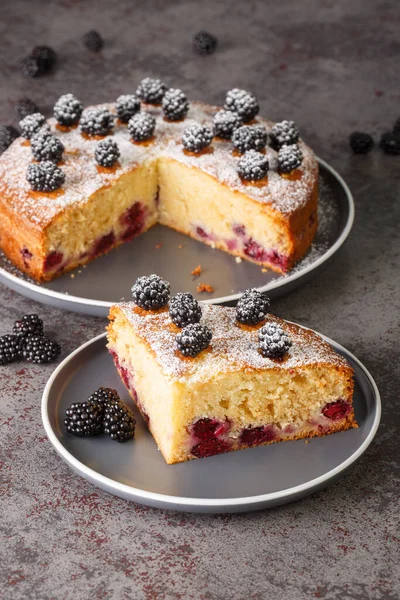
(233, 346)
(84, 177)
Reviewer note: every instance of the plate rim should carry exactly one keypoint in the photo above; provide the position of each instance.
(182, 502)
(71, 300)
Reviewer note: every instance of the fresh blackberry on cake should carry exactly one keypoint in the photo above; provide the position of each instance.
(289, 158)
(96, 121)
(151, 292)
(142, 126)
(31, 124)
(46, 146)
(118, 421)
(360, 142)
(45, 177)
(282, 133)
(40, 349)
(205, 43)
(252, 307)
(193, 339)
(8, 134)
(127, 106)
(10, 348)
(250, 138)
(103, 396)
(242, 102)
(396, 127)
(68, 110)
(390, 143)
(225, 122)
(93, 41)
(46, 58)
(151, 90)
(28, 325)
(252, 166)
(25, 107)
(273, 341)
(84, 419)
(107, 153)
(175, 105)
(196, 137)
(184, 309)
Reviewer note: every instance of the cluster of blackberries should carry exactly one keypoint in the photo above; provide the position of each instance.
(362, 143)
(28, 342)
(103, 412)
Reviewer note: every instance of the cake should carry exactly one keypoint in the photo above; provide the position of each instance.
(239, 195)
(250, 385)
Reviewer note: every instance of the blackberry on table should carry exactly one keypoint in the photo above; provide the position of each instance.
(93, 41)
(8, 134)
(31, 124)
(142, 126)
(96, 121)
(151, 90)
(252, 166)
(249, 137)
(10, 348)
(107, 153)
(46, 57)
(151, 292)
(28, 325)
(25, 107)
(68, 109)
(40, 349)
(390, 143)
(285, 132)
(84, 419)
(360, 142)
(289, 158)
(197, 137)
(46, 146)
(193, 339)
(184, 309)
(204, 43)
(273, 341)
(242, 102)
(225, 122)
(127, 105)
(118, 421)
(45, 176)
(30, 67)
(252, 307)
(175, 104)
(103, 396)
(396, 127)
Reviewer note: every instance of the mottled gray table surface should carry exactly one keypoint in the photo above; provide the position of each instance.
(333, 67)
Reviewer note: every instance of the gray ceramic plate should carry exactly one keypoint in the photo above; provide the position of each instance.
(238, 481)
(94, 288)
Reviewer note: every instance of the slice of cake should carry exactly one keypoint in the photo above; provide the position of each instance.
(211, 379)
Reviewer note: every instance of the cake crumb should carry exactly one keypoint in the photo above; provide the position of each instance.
(158, 246)
(307, 442)
(238, 259)
(72, 275)
(180, 245)
(264, 270)
(204, 287)
(197, 271)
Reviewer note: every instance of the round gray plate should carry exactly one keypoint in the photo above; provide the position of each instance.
(95, 287)
(234, 482)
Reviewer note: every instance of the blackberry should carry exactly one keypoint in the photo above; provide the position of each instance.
(107, 153)
(197, 137)
(390, 143)
(127, 106)
(184, 309)
(141, 127)
(40, 349)
(249, 138)
(151, 90)
(242, 102)
(193, 339)
(45, 177)
(30, 67)
(10, 348)
(46, 58)
(25, 107)
(96, 121)
(103, 396)
(204, 43)
(282, 133)
(252, 307)
(68, 109)
(273, 341)
(46, 146)
(396, 127)
(225, 122)
(84, 419)
(28, 325)
(118, 421)
(93, 41)
(31, 124)
(361, 143)
(151, 293)
(8, 134)
(289, 158)
(175, 105)
(252, 166)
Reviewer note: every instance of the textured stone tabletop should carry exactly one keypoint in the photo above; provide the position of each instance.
(332, 67)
